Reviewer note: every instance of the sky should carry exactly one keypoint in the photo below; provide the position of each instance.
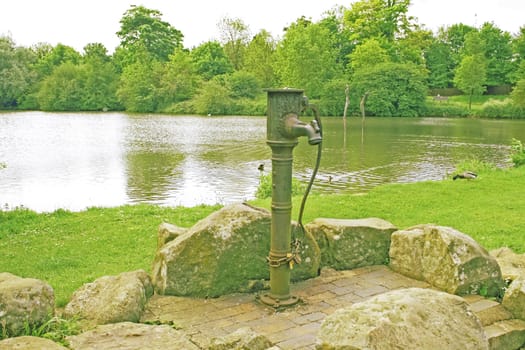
(77, 23)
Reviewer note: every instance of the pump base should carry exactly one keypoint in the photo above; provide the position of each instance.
(270, 300)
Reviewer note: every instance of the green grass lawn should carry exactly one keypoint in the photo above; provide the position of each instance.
(490, 208)
(462, 101)
(68, 249)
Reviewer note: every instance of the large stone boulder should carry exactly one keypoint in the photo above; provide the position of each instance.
(241, 339)
(348, 244)
(512, 265)
(111, 299)
(29, 343)
(447, 259)
(224, 253)
(514, 298)
(406, 319)
(24, 302)
(131, 336)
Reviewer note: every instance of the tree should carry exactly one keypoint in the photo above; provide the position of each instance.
(368, 55)
(95, 52)
(259, 58)
(213, 98)
(498, 52)
(63, 90)
(16, 75)
(439, 64)
(518, 94)
(454, 38)
(307, 57)
(394, 89)
(411, 47)
(139, 84)
(100, 87)
(379, 19)
(181, 79)
(235, 36)
(101, 79)
(333, 97)
(210, 60)
(518, 44)
(56, 56)
(333, 22)
(471, 74)
(243, 84)
(143, 29)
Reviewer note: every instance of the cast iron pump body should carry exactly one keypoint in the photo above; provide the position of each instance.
(283, 130)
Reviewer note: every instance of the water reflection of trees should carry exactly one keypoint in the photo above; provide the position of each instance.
(150, 174)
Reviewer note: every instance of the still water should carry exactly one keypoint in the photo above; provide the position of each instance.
(79, 160)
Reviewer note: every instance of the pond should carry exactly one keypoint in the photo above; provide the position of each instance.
(79, 160)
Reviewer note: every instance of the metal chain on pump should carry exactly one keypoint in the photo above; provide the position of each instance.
(296, 244)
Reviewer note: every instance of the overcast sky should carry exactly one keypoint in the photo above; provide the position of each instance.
(77, 23)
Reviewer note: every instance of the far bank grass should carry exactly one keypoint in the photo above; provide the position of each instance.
(68, 249)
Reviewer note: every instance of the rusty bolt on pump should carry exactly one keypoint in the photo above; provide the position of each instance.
(283, 130)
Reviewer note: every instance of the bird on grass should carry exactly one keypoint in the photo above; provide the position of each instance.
(260, 167)
(469, 175)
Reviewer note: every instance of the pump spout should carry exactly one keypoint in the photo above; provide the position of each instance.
(295, 128)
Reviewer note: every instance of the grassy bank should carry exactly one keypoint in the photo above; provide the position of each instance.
(69, 249)
(489, 209)
(484, 106)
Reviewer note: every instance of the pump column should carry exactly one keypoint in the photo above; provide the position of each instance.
(281, 104)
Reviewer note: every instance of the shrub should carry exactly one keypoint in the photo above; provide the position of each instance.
(181, 108)
(501, 109)
(517, 153)
(264, 190)
(445, 109)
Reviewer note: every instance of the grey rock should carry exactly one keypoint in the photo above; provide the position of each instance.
(131, 336)
(24, 301)
(242, 339)
(224, 253)
(29, 343)
(447, 259)
(406, 319)
(348, 244)
(514, 298)
(512, 265)
(111, 299)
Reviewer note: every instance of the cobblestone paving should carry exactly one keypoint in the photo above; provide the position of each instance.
(293, 328)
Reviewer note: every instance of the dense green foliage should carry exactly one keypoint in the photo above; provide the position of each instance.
(151, 71)
(394, 89)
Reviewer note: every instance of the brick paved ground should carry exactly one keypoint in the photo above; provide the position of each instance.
(293, 328)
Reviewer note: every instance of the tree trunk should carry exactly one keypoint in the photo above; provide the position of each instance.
(347, 100)
(362, 105)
